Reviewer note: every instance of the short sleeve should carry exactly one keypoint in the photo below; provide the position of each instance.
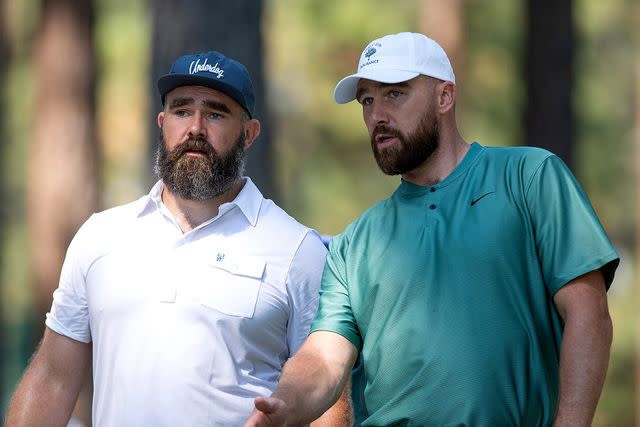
(334, 309)
(303, 283)
(69, 315)
(569, 237)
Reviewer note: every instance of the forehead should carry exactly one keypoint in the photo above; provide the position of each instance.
(199, 95)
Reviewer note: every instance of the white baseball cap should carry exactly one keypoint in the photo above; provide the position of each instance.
(396, 58)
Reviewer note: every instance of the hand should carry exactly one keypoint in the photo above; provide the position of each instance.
(269, 412)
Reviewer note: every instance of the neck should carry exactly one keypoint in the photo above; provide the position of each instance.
(191, 213)
(450, 152)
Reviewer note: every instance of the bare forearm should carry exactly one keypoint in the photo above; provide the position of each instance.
(307, 388)
(340, 414)
(49, 388)
(584, 359)
(40, 402)
(310, 383)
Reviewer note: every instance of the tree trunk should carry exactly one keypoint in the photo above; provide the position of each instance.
(62, 187)
(443, 22)
(232, 28)
(549, 117)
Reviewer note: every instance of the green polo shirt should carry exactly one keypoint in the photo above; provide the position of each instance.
(447, 290)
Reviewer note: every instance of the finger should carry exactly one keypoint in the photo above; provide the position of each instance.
(256, 419)
(264, 405)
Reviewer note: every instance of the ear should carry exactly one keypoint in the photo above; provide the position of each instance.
(251, 132)
(160, 119)
(447, 97)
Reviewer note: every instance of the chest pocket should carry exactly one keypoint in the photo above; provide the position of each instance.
(232, 286)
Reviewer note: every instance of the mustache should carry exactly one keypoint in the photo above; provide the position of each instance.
(386, 130)
(198, 145)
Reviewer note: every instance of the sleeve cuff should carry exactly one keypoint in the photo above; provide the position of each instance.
(57, 327)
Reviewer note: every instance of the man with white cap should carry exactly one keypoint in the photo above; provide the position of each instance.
(475, 294)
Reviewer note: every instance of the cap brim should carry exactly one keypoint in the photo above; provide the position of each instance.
(169, 82)
(346, 88)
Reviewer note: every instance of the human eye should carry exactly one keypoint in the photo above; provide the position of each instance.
(365, 100)
(213, 115)
(394, 93)
(181, 113)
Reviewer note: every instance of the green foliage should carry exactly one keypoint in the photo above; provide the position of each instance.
(15, 291)
(491, 87)
(604, 106)
(123, 40)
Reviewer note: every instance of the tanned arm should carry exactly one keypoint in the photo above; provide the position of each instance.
(341, 413)
(310, 383)
(586, 341)
(49, 388)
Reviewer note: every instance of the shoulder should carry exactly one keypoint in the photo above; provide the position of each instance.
(370, 219)
(264, 214)
(520, 163)
(276, 225)
(517, 155)
(117, 214)
(272, 214)
(103, 227)
(112, 219)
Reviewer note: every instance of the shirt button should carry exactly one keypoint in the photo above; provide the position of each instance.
(433, 189)
(432, 207)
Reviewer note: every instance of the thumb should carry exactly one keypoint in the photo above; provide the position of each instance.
(268, 405)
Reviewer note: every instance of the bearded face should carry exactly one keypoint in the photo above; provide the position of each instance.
(411, 150)
(199, 177)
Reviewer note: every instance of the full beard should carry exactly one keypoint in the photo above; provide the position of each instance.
(199, 177)
(411, 150)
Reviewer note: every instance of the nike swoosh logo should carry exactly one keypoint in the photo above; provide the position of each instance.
(474, 201)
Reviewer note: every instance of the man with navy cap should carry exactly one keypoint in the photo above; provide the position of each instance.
(475, 294)
(188, 301)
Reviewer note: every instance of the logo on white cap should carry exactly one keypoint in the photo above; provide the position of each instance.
(368, 53)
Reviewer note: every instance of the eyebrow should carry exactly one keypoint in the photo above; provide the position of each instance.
(180, 102)
(212, 105)
(217, 106)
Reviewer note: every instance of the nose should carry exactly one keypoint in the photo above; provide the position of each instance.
(197, 127)
(377, 114)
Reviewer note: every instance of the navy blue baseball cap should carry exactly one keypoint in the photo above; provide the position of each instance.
(213, 70)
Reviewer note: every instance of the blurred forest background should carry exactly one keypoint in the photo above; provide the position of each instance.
(78, 106)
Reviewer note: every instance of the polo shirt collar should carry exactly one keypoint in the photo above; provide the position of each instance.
(151, 201)
(248, 201)
(469, 159)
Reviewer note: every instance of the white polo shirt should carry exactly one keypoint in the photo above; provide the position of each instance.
(188, 328)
